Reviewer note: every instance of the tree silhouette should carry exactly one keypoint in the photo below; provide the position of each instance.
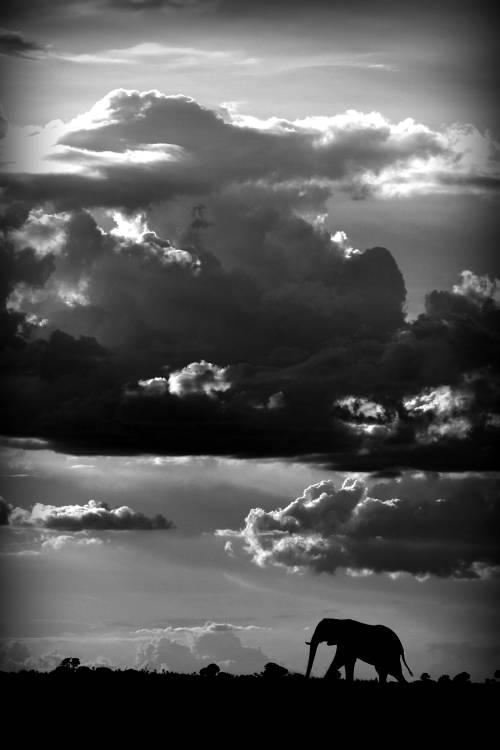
(70, 662)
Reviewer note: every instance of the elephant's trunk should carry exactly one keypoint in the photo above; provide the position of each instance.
(313, 645)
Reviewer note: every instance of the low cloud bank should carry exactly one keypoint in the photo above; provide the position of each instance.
(212, 642)
(94, 515)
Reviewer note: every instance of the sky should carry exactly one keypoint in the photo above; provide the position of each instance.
(249, 329)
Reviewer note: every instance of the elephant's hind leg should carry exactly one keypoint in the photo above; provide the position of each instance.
(382, 675)
(349, 670)
(394, 670)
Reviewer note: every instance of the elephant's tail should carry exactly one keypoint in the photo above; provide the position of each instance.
(406, 665)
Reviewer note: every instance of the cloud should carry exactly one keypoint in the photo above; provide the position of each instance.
(175, 5)
(235, 322)
(197, 630)
(95, 515)
(63, 541)
(478, 289)
(16, 655)
(15, 44)
(197, 378)
(153, 53)
(230, 339)
(327, 528)
(442, 412)
(13, 656)
(4, 512)
(19, 269)
(166, 654)
(133, 148)
(218, 644)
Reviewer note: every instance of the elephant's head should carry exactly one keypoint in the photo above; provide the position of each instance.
(325, 631)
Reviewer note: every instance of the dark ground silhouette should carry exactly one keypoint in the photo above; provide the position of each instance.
(218, 708)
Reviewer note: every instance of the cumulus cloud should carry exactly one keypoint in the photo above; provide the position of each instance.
(327, 528)
(166, 654)
(133, 148)
(441, 412)
(198, 377)
(370, 420)
(134, 231)
(218, 643)
(478, 289)
(44, 232)
(13, 656)
(342, 240)
(94, 515)
(16, 655)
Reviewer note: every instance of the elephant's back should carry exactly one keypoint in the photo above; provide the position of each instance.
(383, 633)
(371, 638)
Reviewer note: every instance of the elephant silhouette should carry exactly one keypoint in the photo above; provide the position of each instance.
(374, 644)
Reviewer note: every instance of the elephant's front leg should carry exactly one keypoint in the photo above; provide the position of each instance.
(337, 663)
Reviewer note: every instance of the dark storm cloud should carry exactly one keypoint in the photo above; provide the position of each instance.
(4, 512)
(18, 268)
(58, 11)
(326, 528)
(254, 334)
(241, 7)
(94, 515)
(15, 44)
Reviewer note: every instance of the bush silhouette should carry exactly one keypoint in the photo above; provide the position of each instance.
(444, 679)
(274, 670)
(211, 670)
